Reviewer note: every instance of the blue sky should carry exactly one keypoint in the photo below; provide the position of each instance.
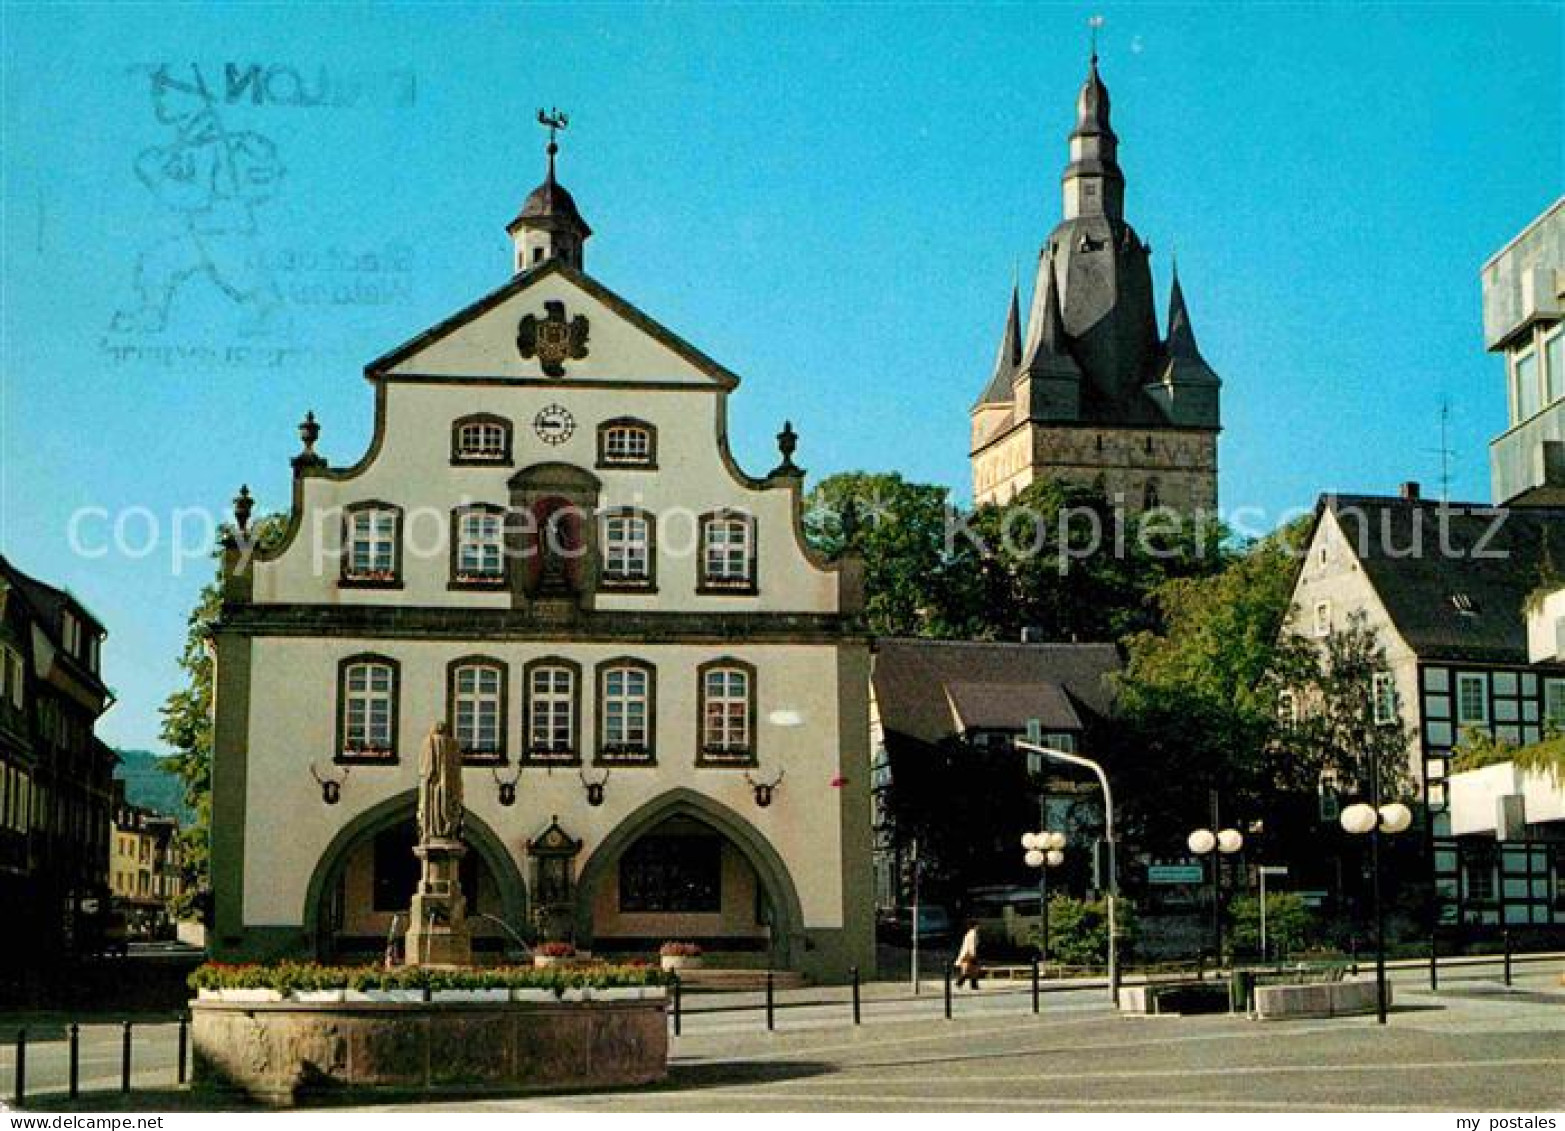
(831, 200)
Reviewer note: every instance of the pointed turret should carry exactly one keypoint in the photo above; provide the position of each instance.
(1187, 387)
(1048, 385)
(1007, 357)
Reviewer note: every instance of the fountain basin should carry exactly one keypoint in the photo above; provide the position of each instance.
(292, 1052)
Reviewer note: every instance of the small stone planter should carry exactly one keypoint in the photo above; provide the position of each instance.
(491, 994)
(384, 995)
(535, 995)
(544, 961)
(680, 961)
(319, 995)
(246, 995)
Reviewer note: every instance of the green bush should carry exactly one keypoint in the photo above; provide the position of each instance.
(286, 977)
(1079, 931)
(1290, 924)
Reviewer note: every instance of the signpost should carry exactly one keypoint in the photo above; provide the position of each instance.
(1267, 870)
(1174, 874)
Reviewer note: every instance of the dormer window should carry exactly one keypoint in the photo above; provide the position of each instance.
(481, 439)
(372, 545)
(627, 443)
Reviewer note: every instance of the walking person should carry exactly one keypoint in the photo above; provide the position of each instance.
(967, 968)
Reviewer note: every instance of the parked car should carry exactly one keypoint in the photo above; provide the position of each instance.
(934, 924)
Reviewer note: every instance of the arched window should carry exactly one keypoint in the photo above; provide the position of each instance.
(627, 442)
(726, 698)
(372, 545)
(629, 558)
(475, 707)
(553, 691)
(478, 546)
(481, 439)
(1150, 498)
(367, 709)
(727, 552)
(626, 712)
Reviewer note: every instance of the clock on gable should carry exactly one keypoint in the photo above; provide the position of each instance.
(554, 424)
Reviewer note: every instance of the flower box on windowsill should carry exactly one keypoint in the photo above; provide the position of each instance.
(727, 756)
(738, 586)
(481, 580)
(550, 756)
(625, 755)
(365, 754)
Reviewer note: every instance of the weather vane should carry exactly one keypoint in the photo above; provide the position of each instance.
(1094, 22)
(554, 121)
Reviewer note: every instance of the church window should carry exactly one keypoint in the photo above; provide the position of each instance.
(727, 552)
(367, 709)
(373, 536)
(552, 700)
(627, 550)
(627, 443)
(1322, 618)
(476, 688)
(481, 438)
(478, 546)
(1149, 496)
(625, 712)
(727, 705)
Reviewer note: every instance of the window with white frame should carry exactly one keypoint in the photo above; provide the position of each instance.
(1383, 693)
(481, 439)
(1554, 364)
(1287, 707)
(727, 703)
(627, 549)
(1322, 618)
(478, 708)
(626, 712)
(551, 712)
(372, 544)
(627, 444)
(480, 546)
(727, 552)
(1554, 704)
(1472, 700)
(368, 708)
(1529, 393)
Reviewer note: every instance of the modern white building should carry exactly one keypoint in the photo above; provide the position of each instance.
(660, 689)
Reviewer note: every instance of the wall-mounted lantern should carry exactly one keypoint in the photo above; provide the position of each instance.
(331, 788)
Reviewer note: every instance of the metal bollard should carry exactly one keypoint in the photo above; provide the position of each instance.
(125, 1057)
(948, 993)
(1353, 955)
(771, 1021)
(1035, 985)
(678, 1016)
(21, 1066)
(1434, 963)
(75, 1068)
(858, 1015)
(1506, 935)
(184, 1034)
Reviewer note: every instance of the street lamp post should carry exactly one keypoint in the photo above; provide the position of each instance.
(1045, 850)
(1374, 819)
(1267, 870)
(1202, 842)
(1108, 839)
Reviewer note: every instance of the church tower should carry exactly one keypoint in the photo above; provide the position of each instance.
(1095, 395)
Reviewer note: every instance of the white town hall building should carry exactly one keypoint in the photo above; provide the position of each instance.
(661, 692)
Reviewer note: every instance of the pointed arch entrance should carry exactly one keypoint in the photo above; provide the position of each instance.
(740, 856)
(348, 909)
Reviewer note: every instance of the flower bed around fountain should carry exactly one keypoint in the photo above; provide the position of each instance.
(297, 1031)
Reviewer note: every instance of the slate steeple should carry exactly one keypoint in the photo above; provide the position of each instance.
(1093, 182)
(1187, 388)
(549, 225)
(1049, 382)
(1008, 356)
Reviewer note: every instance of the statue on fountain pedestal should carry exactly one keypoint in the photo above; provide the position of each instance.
(437, 932)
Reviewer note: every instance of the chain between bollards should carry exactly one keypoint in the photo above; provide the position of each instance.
(771, 1020)
(125, 1057)
(858, 1016)
(678, 1015)
(21, 1066)
(948, 993)
(184, 1035)
(1035, 985)
(74, 1088)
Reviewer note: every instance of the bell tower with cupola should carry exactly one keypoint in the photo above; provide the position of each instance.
(549, 226)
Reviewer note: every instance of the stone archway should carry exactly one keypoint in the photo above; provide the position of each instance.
(771, 871)
(387, 814)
